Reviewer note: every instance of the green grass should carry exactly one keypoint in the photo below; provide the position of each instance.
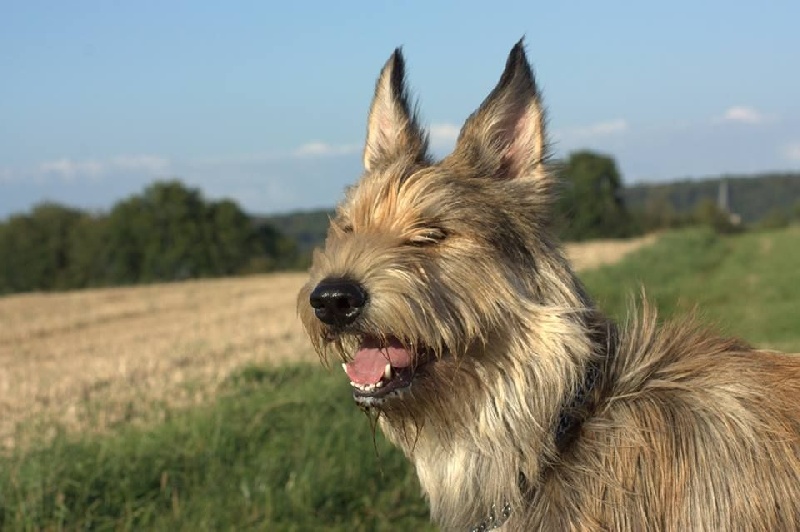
(746, 285)
(286, 449)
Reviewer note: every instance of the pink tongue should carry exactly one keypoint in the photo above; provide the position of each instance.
(370, 361)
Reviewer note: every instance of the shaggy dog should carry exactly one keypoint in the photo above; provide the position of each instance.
(463, 328)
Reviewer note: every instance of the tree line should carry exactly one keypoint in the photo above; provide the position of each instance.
(594, 203)
(168, 232)
(752, 197)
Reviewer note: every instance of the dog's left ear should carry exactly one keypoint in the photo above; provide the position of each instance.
(393, 127)
(506, 137)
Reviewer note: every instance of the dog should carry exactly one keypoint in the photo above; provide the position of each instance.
(462, 327)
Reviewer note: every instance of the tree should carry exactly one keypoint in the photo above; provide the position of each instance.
(591, 203)
(127, 230)
(34, 248)
(166, 233)
(708, 213)
(171, 232)
(87, 252)
(776, 218)
(177, 239)
(279, 251)
(233, 240)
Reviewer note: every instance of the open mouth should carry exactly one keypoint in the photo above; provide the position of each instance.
(380, 368)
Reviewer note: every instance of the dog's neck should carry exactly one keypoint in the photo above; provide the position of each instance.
(566, 431)
(514, 426)
(585, 398)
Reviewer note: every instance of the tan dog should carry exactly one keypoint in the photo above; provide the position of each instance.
(463, 327)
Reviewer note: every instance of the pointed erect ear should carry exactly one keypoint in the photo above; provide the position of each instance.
(393, 129)
(506, 136)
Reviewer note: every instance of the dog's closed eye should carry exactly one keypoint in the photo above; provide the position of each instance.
(427, 237)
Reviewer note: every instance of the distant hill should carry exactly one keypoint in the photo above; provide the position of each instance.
(306, 228)
(750, 196)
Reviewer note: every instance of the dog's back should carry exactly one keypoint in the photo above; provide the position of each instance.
(690, 432)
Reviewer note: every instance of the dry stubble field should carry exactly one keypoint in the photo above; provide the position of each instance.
(93, 359)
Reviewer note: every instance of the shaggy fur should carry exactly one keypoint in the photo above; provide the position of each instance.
(681, 431)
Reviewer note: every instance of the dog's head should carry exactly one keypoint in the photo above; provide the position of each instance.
(428, 265)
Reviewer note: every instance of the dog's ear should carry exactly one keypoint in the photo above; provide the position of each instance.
(393, 128)
(506, 135)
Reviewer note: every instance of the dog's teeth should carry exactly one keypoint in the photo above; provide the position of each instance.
(387, 372)
(379, 384)
(344, 366)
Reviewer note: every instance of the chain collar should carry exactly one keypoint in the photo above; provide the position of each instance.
(569, 420)
(493, 521)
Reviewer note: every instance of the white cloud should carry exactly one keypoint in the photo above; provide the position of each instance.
(70, 170)
(323, 149)
(310, 150)
(791, 152)
(443, 135)
(594, 131)
(744, 115)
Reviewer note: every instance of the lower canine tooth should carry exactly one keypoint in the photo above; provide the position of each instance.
(387, 372)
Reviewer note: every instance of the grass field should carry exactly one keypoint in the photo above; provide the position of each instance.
(272, 447)
(746, 286)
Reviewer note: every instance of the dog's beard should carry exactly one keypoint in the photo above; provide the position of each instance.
(425, 386)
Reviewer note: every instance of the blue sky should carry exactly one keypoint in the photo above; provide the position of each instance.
(266, 102)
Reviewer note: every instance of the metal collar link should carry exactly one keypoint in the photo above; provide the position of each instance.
(566, 428)
(493, 521)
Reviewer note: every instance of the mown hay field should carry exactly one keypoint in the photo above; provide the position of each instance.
(96, 358)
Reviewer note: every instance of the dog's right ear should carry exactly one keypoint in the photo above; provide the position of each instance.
(506, 135)
(393, 128)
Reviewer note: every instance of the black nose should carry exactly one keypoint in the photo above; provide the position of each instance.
(338, 301)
